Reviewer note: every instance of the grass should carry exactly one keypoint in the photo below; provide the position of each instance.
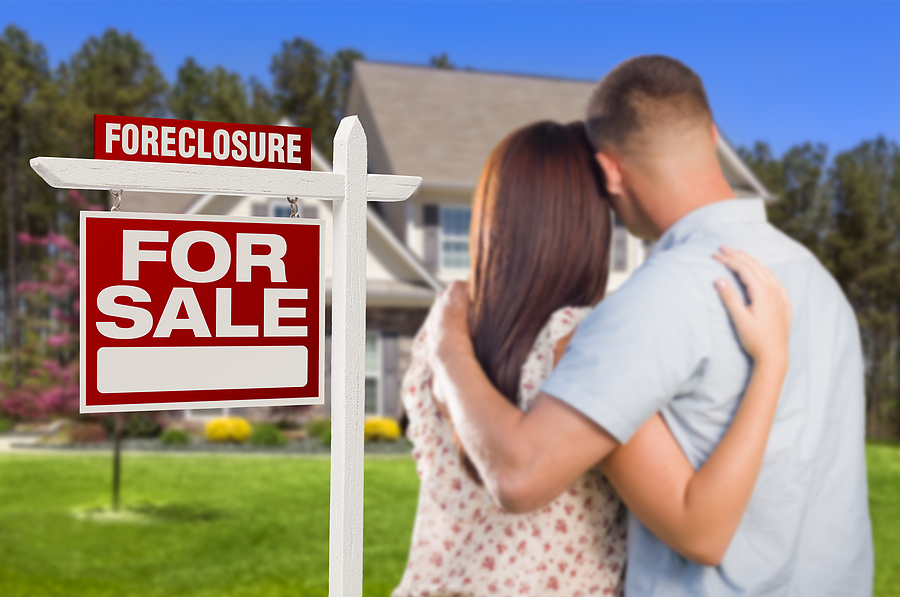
(200, 526)
(243, 526)
(884, 501)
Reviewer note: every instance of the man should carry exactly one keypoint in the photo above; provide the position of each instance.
(663, 343)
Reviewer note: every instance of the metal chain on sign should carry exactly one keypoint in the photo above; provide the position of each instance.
(117, 200)
(295, 211)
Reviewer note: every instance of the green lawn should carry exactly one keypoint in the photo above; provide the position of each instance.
(884, 500)
(243, 525)
(224, 525)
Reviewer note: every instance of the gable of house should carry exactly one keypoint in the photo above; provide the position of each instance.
(442, 124)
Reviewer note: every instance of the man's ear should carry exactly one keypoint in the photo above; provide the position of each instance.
(613, 171)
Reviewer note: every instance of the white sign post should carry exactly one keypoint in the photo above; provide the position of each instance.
(350, 187)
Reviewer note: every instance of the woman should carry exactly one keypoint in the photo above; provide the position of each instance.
(540, 245)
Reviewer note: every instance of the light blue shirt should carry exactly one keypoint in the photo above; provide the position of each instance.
(663, 342)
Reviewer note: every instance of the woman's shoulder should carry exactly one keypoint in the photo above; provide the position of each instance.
(539, 362)
(563, 321)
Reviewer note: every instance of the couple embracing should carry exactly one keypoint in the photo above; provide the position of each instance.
(699, 431)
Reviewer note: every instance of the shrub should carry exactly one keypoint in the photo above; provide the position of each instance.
(142, 425)
(134, 425)
(87, 433)
(325, 438)
(318, 428)
(381, 429)
(265, 434)
(175, 437)
(6, 425)
(227, 429)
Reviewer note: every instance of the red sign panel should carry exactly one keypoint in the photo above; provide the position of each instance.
(172, 141)
(183, 311)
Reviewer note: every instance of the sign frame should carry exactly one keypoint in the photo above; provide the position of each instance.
(204, 404)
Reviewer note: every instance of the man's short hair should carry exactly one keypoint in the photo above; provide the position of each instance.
(644, 94)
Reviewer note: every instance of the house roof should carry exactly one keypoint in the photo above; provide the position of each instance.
(442, 124)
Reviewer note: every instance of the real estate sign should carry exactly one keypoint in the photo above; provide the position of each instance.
(191, 311)
(188, 311)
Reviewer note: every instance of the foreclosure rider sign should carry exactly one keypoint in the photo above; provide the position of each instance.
(196, 311)
(166, 140)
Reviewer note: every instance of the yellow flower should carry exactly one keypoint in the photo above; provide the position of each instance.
(381, 429)
(240, 429)
(224, 429)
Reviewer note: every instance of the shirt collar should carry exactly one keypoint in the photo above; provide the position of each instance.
(731, 211)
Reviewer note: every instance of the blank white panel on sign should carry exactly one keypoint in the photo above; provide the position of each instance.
(188, 368)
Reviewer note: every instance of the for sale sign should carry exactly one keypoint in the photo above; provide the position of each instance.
(188, 311)
(135, 139)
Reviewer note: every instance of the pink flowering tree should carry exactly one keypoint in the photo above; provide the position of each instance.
(51, 325)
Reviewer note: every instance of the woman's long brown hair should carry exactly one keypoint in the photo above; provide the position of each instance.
(540, 241)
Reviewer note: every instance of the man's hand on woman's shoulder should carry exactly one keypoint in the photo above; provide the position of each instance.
(447, 326)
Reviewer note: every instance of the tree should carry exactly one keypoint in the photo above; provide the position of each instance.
(862, 250)
(51, 333)
(112, 74)
(311, 87)
(188, 97)
(441, 60)
(217, 95)
(797, 180)
(24, 82)
(262, 106)
(848, 215)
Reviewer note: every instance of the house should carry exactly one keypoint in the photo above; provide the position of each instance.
(441, 125)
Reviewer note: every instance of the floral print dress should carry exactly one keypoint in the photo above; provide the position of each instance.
(465, 545)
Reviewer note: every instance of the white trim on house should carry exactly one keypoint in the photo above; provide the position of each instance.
(730, 156)
(417, 266)
(199, 203)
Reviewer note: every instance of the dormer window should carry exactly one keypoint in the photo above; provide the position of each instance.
(619, 247)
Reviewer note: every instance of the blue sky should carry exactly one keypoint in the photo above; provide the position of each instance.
(784, 72)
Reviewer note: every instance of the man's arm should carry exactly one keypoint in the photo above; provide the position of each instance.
(525, 459)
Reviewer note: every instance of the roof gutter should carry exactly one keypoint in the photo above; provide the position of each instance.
(734, 160)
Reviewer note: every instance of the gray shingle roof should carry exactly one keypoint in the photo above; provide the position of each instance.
(442, 124)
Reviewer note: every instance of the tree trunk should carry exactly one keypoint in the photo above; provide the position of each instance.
(13, 294)
(896, 413)
(873, 387)
(117, 463)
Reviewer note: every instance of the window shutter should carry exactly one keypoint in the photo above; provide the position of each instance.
(432, 222)
(619, 248)
(390, 381)
(328, 374)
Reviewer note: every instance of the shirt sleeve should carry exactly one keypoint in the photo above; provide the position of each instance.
(638, 349)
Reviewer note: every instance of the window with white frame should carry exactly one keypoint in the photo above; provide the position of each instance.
(373, 374)
(455, 222)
